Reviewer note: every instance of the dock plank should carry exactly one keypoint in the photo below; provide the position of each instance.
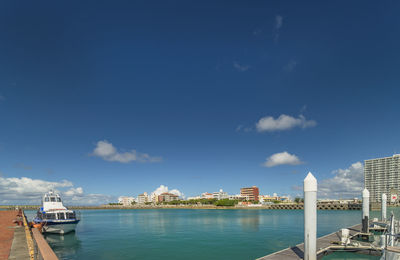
(297, 252)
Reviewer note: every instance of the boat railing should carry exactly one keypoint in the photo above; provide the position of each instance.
(77, 215)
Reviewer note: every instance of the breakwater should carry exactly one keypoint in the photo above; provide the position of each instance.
(281, 206)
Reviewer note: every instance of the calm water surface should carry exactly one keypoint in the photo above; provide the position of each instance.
(190, 234)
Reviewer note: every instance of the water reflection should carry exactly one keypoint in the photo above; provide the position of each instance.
(250, 221)
(63, 245)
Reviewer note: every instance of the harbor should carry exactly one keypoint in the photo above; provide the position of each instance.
(201, 130)
(372, 237)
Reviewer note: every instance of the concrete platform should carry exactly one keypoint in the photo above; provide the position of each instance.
(19, 248)
(7, 228)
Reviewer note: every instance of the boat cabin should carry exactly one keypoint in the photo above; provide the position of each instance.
(57, 215)
(52, 201)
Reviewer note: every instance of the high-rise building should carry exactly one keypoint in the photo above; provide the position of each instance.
(251, 193)
(382, 175)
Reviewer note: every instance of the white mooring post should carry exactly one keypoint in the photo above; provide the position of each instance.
(383, 207)
(365, 210)
(310, 217)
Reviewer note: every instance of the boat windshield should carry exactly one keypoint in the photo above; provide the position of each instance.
(53, 199)
(58, 199)
(46, 199)
(60, 215)
(70, 215)
(50, 216)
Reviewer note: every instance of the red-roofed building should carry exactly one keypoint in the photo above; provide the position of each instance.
(167, 197)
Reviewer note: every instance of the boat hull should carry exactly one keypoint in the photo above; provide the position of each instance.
(59, 228)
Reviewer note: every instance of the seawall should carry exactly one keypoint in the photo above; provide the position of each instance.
(282, 206)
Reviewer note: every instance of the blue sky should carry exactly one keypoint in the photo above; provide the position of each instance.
(184, 84)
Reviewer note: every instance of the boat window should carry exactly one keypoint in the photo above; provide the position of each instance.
(52, 199)
(50, 216)
(60, 216)
(46, 199)
(58, 199)
(70, 215)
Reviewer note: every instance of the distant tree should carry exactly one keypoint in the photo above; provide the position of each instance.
(226, 202)
(297, 200)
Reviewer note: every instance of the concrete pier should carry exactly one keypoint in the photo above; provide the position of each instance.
(17, 242)
(13, 243)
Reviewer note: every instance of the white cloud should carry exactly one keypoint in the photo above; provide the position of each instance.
(278, 22)
(283, 122)
(347, 183)
(257, 31)
(240, 67)
(30, 191)
(74, 192)
(281, 159)
(278, 25)
(163, 189)
(108, 152)
(290, 66)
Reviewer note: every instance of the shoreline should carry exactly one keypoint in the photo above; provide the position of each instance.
(286, 206)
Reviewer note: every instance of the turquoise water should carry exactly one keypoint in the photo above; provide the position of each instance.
(190, 234)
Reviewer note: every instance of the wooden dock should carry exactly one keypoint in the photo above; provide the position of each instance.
(324, 245)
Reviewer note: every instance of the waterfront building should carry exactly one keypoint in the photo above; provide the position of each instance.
(167, 197)
(207, 195)
(154, 197)
(220, 195)
(382, 175)
(126, 201)
(251, 192)
(269, 199)
(143, 198)
(238, 197)
(193, 198)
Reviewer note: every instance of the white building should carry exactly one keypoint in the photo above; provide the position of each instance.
(238, 197)
(220, 195)
(193, 198)
(382, 175)
(143, 198)
(207, 195)
(126, 201)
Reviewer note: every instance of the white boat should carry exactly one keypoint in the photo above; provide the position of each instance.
(54, 217)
